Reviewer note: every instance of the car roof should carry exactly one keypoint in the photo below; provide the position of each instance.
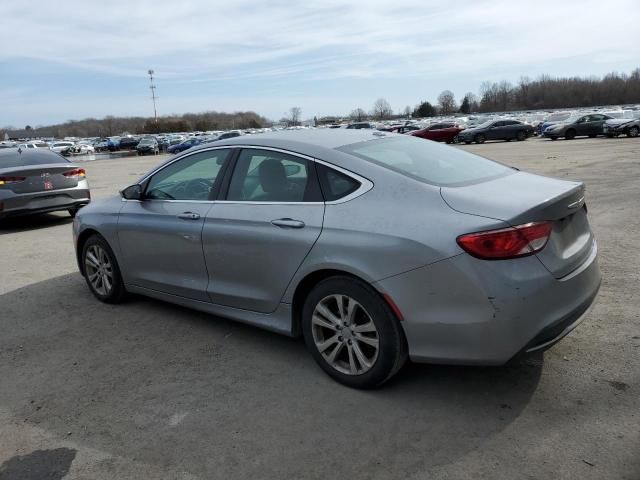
(311, 138)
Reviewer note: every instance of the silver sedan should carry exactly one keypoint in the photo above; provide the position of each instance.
(39, 180)
(374, 247)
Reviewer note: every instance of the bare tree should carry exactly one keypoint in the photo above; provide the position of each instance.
(407, 112)
(294, 115)
(358, 115)
(447, 102)
(381, 109)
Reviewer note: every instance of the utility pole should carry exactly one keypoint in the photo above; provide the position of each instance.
(153, 95)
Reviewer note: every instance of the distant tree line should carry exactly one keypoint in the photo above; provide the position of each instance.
(545, 92)
(110, 125)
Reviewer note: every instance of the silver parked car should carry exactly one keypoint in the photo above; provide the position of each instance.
(38, 180)
(375, 247)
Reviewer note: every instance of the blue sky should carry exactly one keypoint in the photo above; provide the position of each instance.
(78, 58)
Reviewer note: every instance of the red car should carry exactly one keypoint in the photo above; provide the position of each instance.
(440, 132)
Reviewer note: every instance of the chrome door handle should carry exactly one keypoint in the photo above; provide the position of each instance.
(189, 216)
(288, 223)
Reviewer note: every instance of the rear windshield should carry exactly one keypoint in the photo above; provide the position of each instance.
(427, 162)
(11, 159)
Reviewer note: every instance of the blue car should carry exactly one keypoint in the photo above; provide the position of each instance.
(553, 119)
(184, 145)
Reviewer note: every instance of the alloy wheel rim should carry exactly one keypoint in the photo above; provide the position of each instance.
(345, 335)
(99, 269)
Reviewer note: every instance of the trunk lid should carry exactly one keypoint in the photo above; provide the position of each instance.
(522, 198)
(41, 178)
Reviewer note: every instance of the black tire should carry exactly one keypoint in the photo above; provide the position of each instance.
(117, 293)
(468, 142)
(609, 135)
(480, 138)
(521, 135)
(592, 135)
(392, 344)
(570, 134)
(633, 132)
(73, 212)
(553, 138)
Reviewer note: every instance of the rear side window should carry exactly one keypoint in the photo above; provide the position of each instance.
(335, 185)
(428, 162)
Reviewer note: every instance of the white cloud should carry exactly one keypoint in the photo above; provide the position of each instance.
(200, 38)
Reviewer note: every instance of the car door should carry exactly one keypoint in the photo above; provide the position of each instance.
(161, 235)
(597, 124)
(495, 132)
(257, 236)
(582, 125)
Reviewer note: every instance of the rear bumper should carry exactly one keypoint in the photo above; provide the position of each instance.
(50, 201)
(468, 311)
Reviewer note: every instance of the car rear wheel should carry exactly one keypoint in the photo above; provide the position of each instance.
(520, 136)
(101, 270)
(480, 138)
(633, 132)
(352, 333)
(592, 135)
(73, 212)
(570, 135)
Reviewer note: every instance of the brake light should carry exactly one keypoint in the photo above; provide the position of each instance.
(506, 243)
(76, 172)
(5, 180)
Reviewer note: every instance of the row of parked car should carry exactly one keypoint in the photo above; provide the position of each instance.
(568, 125)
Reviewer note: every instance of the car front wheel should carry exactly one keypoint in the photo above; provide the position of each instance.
(101, 270)
(352, 333)
(633, 132)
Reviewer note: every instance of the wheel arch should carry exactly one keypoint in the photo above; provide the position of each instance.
(82, 239)
(310, 280)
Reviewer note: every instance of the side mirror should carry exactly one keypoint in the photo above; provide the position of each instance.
(133, 192)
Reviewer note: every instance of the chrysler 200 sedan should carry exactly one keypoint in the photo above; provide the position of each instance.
(374, 247)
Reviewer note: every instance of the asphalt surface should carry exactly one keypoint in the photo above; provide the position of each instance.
(151, 390)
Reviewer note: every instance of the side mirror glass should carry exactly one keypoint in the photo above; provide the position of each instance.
(133, 192)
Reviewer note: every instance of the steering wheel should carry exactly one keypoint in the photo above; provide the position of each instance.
(198, 188)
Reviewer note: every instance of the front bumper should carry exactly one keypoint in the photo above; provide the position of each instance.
(474, 312)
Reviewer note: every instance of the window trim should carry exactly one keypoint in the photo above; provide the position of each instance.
(221, 194)
(215, 189)
(365, 184)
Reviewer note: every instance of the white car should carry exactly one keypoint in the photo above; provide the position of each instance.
(33, 145)
(59, 147)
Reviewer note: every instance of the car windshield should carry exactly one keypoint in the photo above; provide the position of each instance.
(484, 124)
(558, 117)
(428, 162)
(146, 141)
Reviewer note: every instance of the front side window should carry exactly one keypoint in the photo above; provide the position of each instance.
(190, 178)
(268, 176)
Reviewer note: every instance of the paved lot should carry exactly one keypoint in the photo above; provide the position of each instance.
(150, 390)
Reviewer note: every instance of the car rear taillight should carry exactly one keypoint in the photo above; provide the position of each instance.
(506, 243)
(4, 180)
(76, 172)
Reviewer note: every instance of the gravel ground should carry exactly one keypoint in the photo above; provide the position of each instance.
(151, 390)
